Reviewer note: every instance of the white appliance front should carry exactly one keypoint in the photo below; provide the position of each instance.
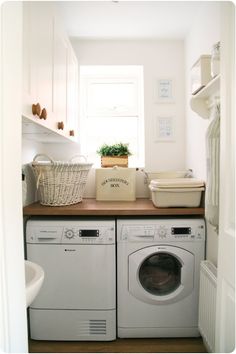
(78, 298)
(76, 276)
(158, 263)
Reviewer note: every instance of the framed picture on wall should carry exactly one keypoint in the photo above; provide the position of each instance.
(164, 91)
(164, 129)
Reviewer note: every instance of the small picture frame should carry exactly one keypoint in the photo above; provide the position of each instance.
(164, 129)
(164, 91)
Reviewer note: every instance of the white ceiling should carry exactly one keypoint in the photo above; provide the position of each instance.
(129, 19)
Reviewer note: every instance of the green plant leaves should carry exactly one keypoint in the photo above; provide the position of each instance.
(114, 150)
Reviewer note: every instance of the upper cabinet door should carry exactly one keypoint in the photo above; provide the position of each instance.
(72, 91)
(38, 56)
(50, 69)
(60, 74)
(65, 84)
(42, 53)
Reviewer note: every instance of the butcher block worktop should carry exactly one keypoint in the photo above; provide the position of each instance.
(91, 207)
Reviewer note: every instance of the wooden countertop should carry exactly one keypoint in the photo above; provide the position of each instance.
(91, 207)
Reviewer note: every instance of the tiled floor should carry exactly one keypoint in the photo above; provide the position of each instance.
(150, 345)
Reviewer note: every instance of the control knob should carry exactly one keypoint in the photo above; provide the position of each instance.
(162, 231)
(69, 233)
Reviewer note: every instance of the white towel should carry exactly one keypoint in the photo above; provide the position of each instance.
(213, 169)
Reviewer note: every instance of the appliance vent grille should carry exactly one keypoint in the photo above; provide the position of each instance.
(98, 327)
(92, 328)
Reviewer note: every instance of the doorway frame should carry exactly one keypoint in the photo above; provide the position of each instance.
(13, 319)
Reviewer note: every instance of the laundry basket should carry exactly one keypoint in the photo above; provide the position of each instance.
(60, 183)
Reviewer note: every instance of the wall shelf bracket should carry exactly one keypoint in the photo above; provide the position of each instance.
(206, 98)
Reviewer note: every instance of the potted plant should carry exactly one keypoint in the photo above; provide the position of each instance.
(114, 155)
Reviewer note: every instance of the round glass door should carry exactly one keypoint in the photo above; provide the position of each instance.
(160, 273)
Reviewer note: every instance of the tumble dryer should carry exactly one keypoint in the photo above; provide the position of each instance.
(158, 276)
(77, 300)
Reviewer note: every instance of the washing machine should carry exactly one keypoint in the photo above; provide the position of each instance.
(158, 274)
(77, 300)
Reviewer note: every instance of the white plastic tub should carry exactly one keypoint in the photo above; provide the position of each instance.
(179, 192)
(166, 174)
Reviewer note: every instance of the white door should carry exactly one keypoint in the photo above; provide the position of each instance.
(161, 274)
(13, 319)
(225, 311)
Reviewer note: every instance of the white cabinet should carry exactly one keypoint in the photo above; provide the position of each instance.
(49, 71)
(72, 91)
(60, 74)
(37, 56)
(65, 87)
(42, 54)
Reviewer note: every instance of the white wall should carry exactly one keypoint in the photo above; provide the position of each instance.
(160, 59)
(205, 31)
(29, 149)
(157, 59)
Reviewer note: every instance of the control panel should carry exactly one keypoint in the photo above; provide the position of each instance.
(88, 235)
(70, 232)
(163, 230)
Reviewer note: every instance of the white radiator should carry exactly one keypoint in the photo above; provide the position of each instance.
(207, 304)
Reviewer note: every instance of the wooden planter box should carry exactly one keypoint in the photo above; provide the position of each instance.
(111, 161)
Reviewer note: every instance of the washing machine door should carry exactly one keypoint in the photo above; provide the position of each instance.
(161, 274)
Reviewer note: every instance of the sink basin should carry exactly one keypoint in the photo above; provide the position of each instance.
(34, 276)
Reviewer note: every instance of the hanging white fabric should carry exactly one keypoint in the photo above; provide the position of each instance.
(213, 169)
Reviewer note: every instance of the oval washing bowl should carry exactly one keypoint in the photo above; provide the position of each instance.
(34, 276)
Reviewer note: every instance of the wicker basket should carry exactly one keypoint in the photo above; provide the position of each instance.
(60, 183)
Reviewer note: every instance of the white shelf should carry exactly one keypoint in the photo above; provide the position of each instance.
(33, 130)
(202, 101)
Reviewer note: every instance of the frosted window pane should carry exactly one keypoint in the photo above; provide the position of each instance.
(110, 131)
(115, 99)
(111, 110)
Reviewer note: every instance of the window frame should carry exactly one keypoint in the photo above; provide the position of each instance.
(116, 74)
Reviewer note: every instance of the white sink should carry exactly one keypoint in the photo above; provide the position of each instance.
(34, 276)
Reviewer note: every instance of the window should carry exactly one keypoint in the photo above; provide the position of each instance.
(111, 110)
